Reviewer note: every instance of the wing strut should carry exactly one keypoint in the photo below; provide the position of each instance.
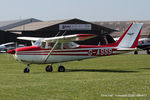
(51, 51)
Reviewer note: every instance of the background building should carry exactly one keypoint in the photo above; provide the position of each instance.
(120, 26)
(6, 36)
(10, 30)
(65, 27)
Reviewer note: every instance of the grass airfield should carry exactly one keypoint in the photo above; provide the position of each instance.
(121, 77)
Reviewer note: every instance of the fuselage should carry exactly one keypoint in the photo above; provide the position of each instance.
(59, 49)
(37, 55)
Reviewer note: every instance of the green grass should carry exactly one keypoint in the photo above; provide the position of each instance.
(103, 78)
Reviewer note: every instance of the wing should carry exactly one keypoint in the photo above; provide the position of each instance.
(70, 38)
(29, 38)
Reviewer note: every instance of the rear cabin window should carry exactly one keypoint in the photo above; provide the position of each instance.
(50, 45)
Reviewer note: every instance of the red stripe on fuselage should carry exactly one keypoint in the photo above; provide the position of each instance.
(42, 51)
(55, 54)
(79, 51)
(90, 52)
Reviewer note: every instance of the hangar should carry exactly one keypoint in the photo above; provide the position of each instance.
(65, 27)
(6, 36)
(9, 30)
(120, 26)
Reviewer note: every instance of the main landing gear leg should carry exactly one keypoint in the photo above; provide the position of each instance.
(61, 68)
(49, 68)
(26, 70)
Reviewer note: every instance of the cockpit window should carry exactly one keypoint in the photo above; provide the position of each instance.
(37, 43)
(48, 45)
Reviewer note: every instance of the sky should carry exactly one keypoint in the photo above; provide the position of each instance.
(89, 10)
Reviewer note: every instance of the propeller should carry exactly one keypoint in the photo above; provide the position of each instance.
(10, 50)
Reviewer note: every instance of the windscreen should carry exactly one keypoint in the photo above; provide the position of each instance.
(38, 42)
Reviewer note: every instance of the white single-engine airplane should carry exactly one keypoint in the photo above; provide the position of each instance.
(62, 49)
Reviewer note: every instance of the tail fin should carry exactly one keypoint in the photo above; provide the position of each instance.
(129, 38)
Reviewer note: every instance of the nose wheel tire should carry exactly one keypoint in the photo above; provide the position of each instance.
(26, 70)
(49, 68)
(61, 69)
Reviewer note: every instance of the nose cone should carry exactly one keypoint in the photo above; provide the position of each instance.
(12, 51)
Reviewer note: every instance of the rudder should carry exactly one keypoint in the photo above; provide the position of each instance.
(129, 38)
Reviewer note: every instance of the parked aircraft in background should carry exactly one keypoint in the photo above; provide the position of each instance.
(7, 46)
(143, 43)
(62, 49)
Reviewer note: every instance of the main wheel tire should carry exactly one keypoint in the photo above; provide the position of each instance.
(49, 68)
(61, 69)
(135, 52)
(26, 70)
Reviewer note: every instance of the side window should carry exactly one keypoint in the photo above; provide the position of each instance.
(43, 44)
(50, 45)
(58, 46)
(66, 45)
(69, 45)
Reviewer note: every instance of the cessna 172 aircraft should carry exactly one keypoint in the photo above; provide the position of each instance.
(62, 49)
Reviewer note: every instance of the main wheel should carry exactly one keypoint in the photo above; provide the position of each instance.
(61, 69)
(49, 68)
(26, 70)
(135, 52)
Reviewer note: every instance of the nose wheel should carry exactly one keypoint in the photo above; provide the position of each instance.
(27, 70)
